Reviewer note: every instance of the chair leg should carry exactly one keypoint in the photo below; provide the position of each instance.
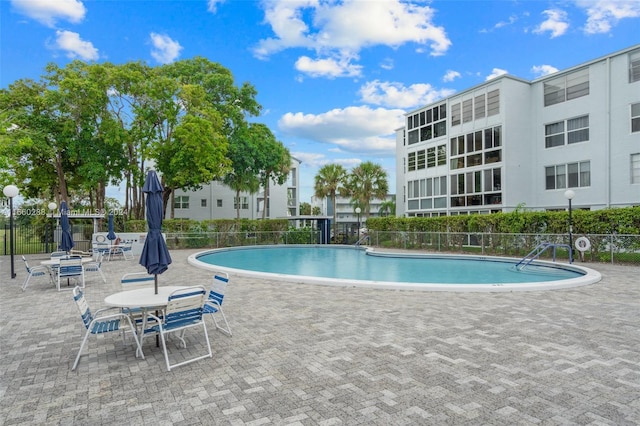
(26, 282)
(227, 330)
(84, 341)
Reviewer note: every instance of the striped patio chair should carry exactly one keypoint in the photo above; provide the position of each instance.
(213, 304)
(183, 311)
(35, 271)
(99, 323)
(95, 267)
(70, 268)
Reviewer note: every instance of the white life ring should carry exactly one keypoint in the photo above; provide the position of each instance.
(100, 239)
(583, 244)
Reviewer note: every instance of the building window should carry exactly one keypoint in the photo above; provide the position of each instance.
(421, 162)
(635, 118)
(412, 162)
(635, 168)
(181, 202)
(493, 102)
(479, 106)
(442, 155)
(634, 66)
(243, 201)
(566, 87)
(577, 130)
(467, 111)
(572, 175)
(455, 114)
(203, 202)
(427, 124)
(219, 202)
(426, 194)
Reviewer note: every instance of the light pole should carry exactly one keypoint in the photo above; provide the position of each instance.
(11, 191)
(52, 206)
(358, 210)
(569, 194)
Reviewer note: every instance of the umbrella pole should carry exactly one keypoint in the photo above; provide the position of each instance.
(155, 283)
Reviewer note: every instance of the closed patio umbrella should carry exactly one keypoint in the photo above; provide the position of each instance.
(155, 254)
(111, 235)
(66, 241)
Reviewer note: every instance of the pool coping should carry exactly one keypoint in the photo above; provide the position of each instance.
(590, 276)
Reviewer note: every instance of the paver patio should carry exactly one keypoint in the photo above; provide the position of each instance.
(318, 355)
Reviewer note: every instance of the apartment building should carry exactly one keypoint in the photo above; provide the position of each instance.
(346, 217)
(217, 201)
(510, 143)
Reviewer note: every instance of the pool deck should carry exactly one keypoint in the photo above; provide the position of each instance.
(319, 355)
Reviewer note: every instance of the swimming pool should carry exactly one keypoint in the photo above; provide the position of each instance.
(360, 267)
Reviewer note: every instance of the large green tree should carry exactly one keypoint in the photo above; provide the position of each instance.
(245, 142)
(329, 182)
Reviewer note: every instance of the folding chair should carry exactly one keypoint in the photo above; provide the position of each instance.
(99, 323)
(184, 310)
(213, 305)
(96, 266)
(71, 268)
(126, 249)
(35, 271)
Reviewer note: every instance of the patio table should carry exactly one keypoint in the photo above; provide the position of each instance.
(143, 298)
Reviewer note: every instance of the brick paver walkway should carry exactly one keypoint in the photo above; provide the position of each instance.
(319, 355)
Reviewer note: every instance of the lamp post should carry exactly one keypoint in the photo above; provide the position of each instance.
(569, 194)
(52, 206)
(358, 210)
(11, 191)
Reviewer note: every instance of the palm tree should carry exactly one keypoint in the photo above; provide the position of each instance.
(366, 182)
(328, 182)
(388, 207)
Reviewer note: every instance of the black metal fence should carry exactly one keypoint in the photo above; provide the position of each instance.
(609, 248)
(34, 239)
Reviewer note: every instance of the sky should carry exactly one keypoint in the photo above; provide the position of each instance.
(334, 77)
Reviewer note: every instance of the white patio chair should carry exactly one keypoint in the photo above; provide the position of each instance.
(184, 310)
(213, 305)
(35, 271)
(126, 250)
(96, 266)
(99, 323)
(70, 268)
(59, 254)
(135, 281)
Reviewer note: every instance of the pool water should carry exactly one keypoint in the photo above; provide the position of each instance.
(348, 263)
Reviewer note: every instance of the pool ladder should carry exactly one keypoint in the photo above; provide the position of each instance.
(541, 248)
(360, 241)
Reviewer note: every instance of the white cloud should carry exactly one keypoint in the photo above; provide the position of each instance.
(311, 159)
(343, 29)
(75, 47)
(387, 64)
(450, 75)
(47, 12)
(542, 70)
(165, 50)
(496, 72)
(352, 129)
(396, 95)
(603, 14)
(212, 5)
(556, 23)
(340, 67)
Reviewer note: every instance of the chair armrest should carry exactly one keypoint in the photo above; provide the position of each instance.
(101, 310)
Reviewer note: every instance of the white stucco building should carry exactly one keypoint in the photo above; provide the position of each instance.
(218, 201)
(510, 142)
